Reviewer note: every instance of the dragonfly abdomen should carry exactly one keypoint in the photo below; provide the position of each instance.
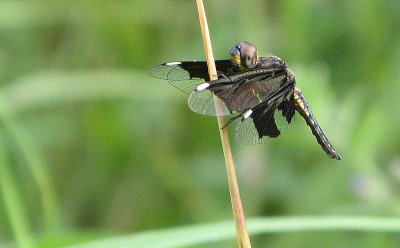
(304, 109)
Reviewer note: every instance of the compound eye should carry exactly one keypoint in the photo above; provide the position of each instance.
(249, 61)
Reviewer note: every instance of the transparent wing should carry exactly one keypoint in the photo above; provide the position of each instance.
(161, 71)
(180, 79)
(186, 75)
(176, 76)
(202, 102)
(247, 133)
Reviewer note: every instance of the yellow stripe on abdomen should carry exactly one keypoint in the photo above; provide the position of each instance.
(304, 110)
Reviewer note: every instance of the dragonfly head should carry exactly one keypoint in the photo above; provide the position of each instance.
(244, 55)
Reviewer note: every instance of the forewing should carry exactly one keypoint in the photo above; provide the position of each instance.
(181, 79)
(252, 91)
(238, 92)
(177, 76)
(186, 75)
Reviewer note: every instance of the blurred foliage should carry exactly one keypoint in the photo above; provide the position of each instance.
(93, 147)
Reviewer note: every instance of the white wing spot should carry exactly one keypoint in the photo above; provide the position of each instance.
(173, 63)
(247, 114)
(202, 87)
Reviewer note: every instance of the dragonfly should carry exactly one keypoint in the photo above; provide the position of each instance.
(261, 91)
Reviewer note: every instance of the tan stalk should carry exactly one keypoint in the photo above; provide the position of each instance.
(237, 208)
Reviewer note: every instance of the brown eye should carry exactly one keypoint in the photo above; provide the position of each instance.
(249, 62)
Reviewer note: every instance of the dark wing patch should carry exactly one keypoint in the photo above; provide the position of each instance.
(199, 69)
(262, 122)
(260, 127)
(287, 108)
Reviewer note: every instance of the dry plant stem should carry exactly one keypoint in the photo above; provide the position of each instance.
(237, 208)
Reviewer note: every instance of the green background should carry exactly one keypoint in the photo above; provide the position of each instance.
(92, 147)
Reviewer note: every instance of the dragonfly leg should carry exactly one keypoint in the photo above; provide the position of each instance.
(233, 119)
(221, 75)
